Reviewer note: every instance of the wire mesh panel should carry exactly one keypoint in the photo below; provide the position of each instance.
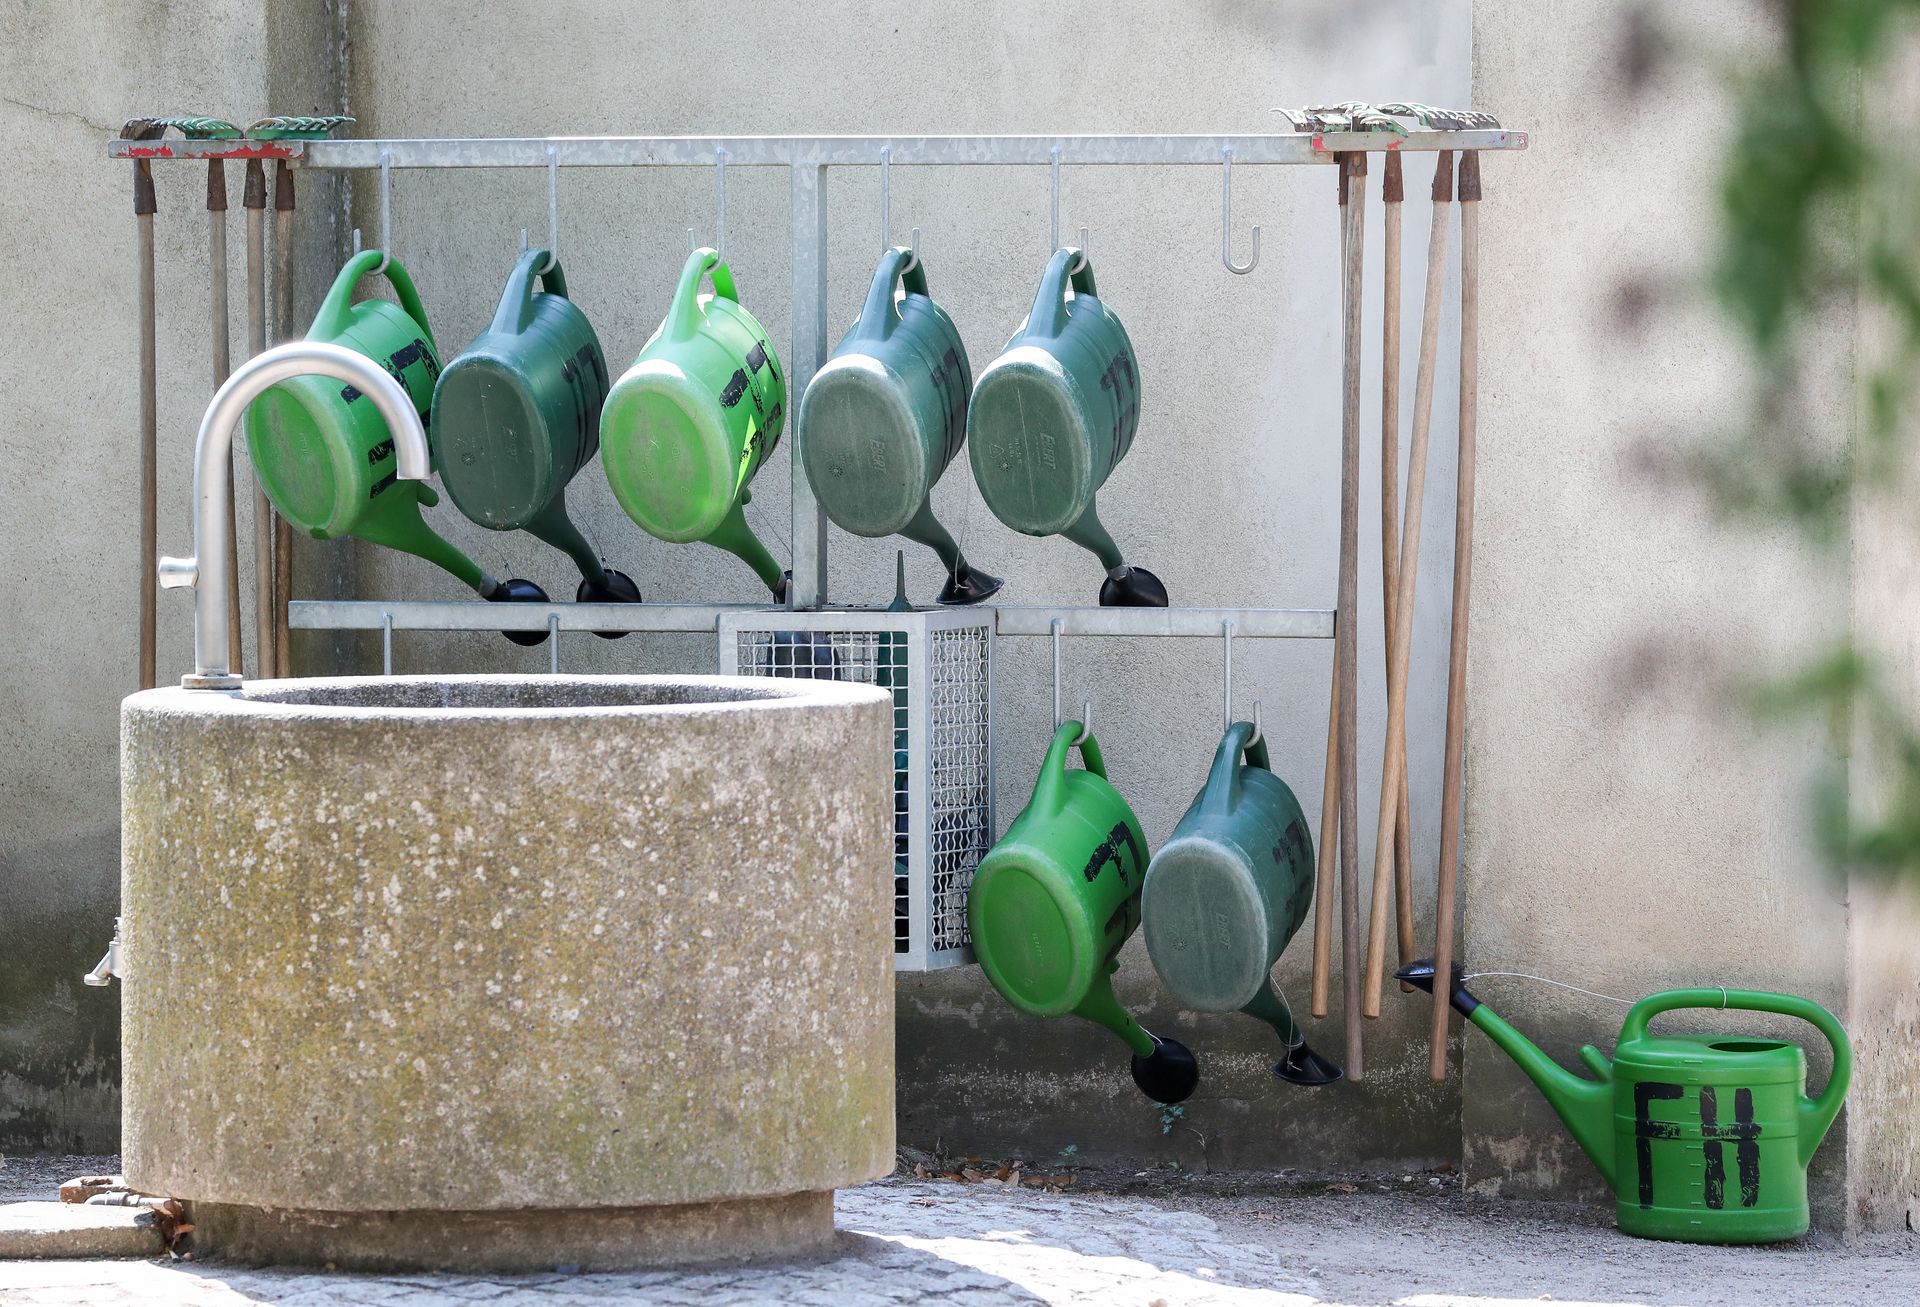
(938, 666)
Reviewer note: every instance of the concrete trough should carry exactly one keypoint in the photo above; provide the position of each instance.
(505, 972)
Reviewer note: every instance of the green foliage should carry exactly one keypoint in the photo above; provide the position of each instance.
(1821, 210)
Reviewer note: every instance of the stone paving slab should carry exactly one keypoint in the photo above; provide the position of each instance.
(53, 1229)
(900, 1243)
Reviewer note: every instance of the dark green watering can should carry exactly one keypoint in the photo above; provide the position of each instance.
(693, 419)
(882, 419)
(1053, 902)
(323, 454)
(1701, 1138)
(518, 414)
(1053, 416)
(1228, 890)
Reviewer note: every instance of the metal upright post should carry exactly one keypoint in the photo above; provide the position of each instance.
(254, 197)
(222, 365)
(143, 210)
(809, 188)
(1347, 625)
(283, 329)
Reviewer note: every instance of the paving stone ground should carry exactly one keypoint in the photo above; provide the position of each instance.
(1310, 1245)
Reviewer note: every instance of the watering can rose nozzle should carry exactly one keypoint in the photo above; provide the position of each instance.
(1421, 975)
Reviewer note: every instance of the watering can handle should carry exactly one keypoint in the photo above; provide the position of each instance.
(1050, 792)
(331, 320)
(684, 316)
(1816, 1114)
(1222, 793)
(880, 315)
(1049, 313)
(515, 313)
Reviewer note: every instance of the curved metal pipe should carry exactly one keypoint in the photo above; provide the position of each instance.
(206, 571)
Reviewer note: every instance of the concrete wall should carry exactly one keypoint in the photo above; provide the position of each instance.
(69, 369)
(1626, 828)
(1629, 827)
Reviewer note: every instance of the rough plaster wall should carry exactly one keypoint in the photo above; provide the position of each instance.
(1628, 829)
(1883, 1140)
(1229, 492)
(69, 429)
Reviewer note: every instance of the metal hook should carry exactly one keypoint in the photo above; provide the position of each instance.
(1086, 705)
(886, 212)
(386, 214)
(1226, 219)
(1226, 689)
(720, 200)
(1080, 264)
(553, 210)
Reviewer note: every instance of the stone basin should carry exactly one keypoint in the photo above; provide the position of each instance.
(504, 972)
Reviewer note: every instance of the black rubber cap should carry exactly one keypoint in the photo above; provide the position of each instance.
(969, 585)
(1170, 1075)
(517, 591)
(786, 584)
(1139, 588)
(1420, 975)
(1303, 1066)
(612, 588)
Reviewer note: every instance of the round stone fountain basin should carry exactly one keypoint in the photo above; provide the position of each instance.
(501, 972)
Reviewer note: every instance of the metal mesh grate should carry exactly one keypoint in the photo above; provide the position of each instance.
(959, 737)
(876, 658)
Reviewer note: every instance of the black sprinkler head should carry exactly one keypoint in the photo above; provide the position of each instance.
(1135, 588)
(968, 585)
(1303, 1066)
(517, 591)
(1170, 1075)
(611, 587)
(1420, 975)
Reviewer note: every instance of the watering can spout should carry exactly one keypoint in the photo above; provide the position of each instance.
(1586, 1106)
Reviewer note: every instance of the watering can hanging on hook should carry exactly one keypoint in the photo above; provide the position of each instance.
(1702, 1138)
(1053, 416)
(692, 420)
(1053, 902)
(1227, 892)
(517, 415)
(324, 456)
(883, 418)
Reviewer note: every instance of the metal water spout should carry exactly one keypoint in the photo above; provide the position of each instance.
(206, 571)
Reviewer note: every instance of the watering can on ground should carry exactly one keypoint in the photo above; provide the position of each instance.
(692, 420)
(517, 414)
(1053, 416)
(1053, 902)
(323, 454)
(880, 422)
(1228, 890)
(1701, 1138)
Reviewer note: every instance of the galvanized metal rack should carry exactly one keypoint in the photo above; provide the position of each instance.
(1315, 137)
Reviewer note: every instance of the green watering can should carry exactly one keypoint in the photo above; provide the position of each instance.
(323, 454)
(1053, 416)
(1228, 890)
(518, 414)
(882, 419)
(1701, 1138)
(1055, 899)
(693, 419)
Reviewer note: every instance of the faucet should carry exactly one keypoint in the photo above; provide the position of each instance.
(113, 964)
(206, 571)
